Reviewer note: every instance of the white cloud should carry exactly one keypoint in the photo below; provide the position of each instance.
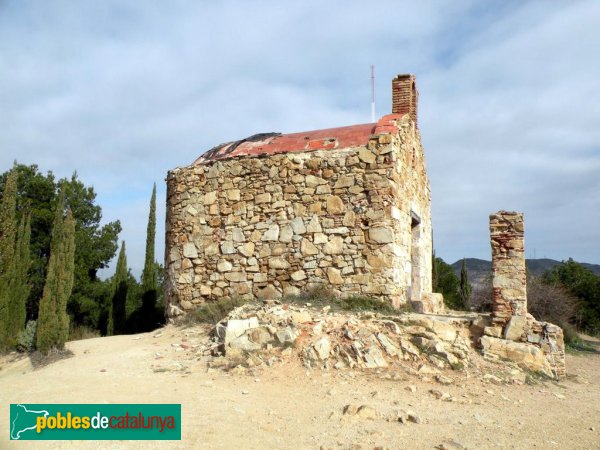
(123, 92)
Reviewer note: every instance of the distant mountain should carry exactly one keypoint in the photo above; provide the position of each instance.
(478, 269)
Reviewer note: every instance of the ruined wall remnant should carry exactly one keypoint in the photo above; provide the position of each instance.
(509, 282)
(514, 334)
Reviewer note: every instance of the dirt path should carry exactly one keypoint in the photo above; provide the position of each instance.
(288, 407)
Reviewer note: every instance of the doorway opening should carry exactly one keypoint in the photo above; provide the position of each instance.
(414, 291)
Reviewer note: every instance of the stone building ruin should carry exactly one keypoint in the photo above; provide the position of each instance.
(278, 214)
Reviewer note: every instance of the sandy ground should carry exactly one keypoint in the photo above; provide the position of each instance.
(288, 407)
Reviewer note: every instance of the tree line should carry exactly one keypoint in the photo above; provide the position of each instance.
(52, 246)
(567, 295)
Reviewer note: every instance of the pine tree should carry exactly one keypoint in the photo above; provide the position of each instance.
(7, 248)
(465, 287)
(53, 321)
(117, 311)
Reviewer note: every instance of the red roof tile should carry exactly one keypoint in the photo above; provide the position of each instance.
(328, 139)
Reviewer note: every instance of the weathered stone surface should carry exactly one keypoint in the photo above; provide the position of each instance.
(322, 347)
(268, 293)
(429, 303)
(335, 205)
(233, 194)
(227, 248)
(366, 156)
(272, 233)
(298, 275)
(236, 276)
(247, 249)
(334, 276)
(444, 330)
(189, 250)
(278, 263)
(298, 225)
(308, 248)
(287, 336)
(374, 358)
(235, 328)
(530, 356)
(515, 328)
(286, 234)
(224, 266)
(210, 198)
(314, 226)
(381, 235)
(334, 246)
(262, 198)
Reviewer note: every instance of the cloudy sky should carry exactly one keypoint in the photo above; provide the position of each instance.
(123, 91)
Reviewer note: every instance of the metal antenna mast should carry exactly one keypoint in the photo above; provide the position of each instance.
(372, 93)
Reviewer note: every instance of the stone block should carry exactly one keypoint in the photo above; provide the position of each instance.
(335, 205)
(525, 354)
(308, 248)
(334, 276)
(189, 250)
(366, 156)
(298, 226)
(272, 233)
(516, 328)
(429, 303)
(381, 235)
(224, 266)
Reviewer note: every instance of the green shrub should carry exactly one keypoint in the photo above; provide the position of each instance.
(362, 303)
(323, 296)
(26, 338)
(213, 312)
(79, 332)
(320, 295)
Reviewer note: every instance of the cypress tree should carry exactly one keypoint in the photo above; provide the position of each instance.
(148, 313)
(434, 274)
(8, 226)
(53, 321)
(149, 274)
(8, 207)
(19, 285)
(117, 311)
(465, 287)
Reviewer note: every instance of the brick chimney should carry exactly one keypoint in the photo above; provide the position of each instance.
(405, 96)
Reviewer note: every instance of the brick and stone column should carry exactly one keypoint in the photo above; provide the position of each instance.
(509, 281)
(405, 96)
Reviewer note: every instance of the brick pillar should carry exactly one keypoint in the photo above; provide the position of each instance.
(509, 282)
(405, 96)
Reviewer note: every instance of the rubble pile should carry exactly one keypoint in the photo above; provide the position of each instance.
(322, 338)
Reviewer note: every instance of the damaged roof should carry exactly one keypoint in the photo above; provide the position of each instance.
(326, 139)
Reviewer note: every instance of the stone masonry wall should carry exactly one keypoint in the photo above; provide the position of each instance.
(267, 226)
(515, 334)
(509, 297)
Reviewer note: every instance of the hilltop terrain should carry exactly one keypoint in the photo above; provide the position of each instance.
(479, 269)
(284, 404)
